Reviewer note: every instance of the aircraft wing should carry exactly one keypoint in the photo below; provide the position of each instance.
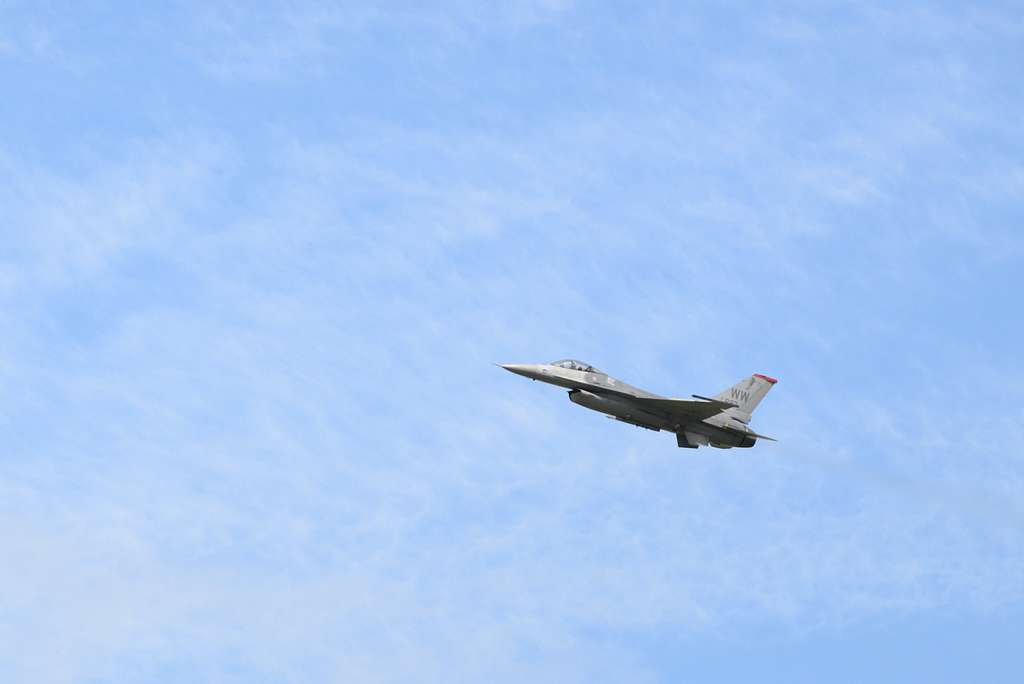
(685, 408)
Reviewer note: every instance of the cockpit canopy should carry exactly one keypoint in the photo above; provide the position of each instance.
(571, 364)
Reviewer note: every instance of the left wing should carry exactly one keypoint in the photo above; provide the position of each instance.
(685, 408)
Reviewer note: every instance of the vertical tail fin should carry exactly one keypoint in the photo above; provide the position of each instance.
(747, 394)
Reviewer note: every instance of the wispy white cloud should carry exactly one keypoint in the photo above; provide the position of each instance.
(65, 229)
(285, 41)
(257, 435)
(367, 511)
(279, 41)
(33, 43)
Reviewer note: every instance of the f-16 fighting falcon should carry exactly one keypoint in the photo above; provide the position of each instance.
(719, 421)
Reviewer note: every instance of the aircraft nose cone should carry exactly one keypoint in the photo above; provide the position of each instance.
(524, 369)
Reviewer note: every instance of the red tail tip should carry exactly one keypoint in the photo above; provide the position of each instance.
(765, 377)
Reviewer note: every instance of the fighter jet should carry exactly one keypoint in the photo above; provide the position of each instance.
(719, 421)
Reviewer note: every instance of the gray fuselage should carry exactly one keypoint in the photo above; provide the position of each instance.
(598, 391)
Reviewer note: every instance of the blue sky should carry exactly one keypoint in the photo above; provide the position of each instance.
(259, 257)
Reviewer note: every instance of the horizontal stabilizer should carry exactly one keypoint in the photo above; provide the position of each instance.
(770, 439)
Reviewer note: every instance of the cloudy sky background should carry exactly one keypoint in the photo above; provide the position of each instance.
(257, 261)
